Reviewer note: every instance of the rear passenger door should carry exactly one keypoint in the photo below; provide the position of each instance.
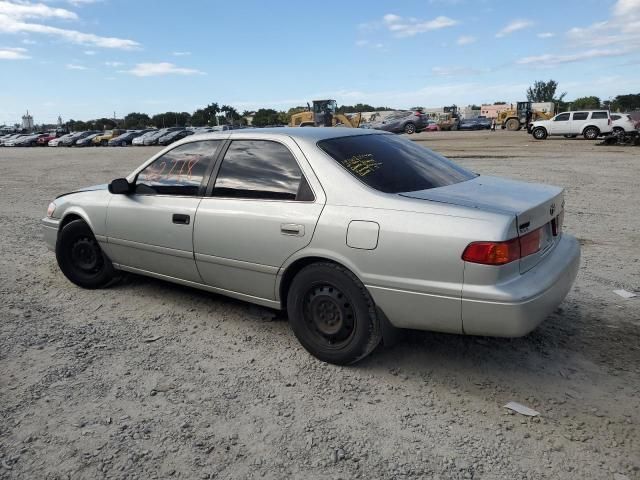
(262, 205)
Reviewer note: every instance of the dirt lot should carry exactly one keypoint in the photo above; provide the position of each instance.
(227, 392)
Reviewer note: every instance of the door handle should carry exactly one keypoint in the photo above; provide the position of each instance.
(181, 219)
(292, 229)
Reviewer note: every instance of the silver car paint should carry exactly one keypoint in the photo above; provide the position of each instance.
(413, 269)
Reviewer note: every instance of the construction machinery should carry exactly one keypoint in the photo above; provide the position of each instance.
(449, 119)
(522, 116)
(324, 113)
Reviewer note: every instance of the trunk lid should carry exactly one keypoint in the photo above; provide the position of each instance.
(534, 205)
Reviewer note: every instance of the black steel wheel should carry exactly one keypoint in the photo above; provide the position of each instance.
(410, 128)
(80, 257)
(332, 314)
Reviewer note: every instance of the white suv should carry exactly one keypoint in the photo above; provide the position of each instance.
(591, 124)
(622, 122)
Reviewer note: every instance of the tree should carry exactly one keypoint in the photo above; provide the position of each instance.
(499, 103)
(205, 116)
(171, 119)
(475, 107)
(136, 120)
(266, 116)
(230, 115)
(585, 103)
(542, 91)
(626, 103)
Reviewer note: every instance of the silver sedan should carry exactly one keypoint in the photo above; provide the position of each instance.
(352, 232)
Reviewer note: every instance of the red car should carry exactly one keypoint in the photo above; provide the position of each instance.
(431, 127)
(43, 140)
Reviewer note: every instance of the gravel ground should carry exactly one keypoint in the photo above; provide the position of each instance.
(152, 380)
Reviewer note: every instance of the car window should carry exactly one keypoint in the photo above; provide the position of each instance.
(580, 115)
(180, 171)
(393, 165)
(599, 115)
(563, 117)
(261, 169)
(615, 117)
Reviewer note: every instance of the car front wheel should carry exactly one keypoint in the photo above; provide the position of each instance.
(332, 314)
(80, 257)
(409, 128)
(539, 133)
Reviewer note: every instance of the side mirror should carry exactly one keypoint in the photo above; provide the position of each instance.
(120, 186)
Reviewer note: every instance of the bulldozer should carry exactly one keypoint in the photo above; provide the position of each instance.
(324, 114)
(522, 116)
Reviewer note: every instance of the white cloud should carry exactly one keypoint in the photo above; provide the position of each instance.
(79, 3)
(181, 54)
(73, 66)
(362, 43)
(514, 26)
(13, 16)
(466, 40)
(546, 35)
(626, 7)
(13, 53)
(24, 10)
(90, 52)
(548, 60)
(408, 27)
(113, 64)
(28, 41)
(162, 68)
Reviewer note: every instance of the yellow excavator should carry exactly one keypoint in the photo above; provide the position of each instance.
(522, 116)
(324, 114)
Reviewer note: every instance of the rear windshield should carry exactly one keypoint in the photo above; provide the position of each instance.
(392, 164)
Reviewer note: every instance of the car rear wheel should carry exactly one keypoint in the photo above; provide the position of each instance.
(513, 124)
(409, 128)
(80, 257)
(539, 133)
(104, 143)
(591, 133)
(332, 314)
(618, 130)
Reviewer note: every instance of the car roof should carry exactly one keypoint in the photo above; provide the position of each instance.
(313, 134)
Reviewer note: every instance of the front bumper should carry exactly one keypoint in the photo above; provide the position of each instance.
(521, 305)
(50, 231)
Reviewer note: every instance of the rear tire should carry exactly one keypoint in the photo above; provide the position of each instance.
(80, 257)
(104, 143)
(539, 133)
(513, 125)
(332, 314)
(409, 129)
(591, 133)
(618, 130)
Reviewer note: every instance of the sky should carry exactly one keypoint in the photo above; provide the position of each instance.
(85, 59)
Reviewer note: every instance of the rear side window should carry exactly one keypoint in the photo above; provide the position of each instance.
(179, 171)
(599, 115)
(580, 115)
(261, 169)
(563, 117)
(615, 117)
(393, 165)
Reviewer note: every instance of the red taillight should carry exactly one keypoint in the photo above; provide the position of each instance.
(500, 253)
(418, 114)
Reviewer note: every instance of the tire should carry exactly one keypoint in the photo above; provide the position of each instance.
(80, 257)
(332, 314)
(513, 125)
(591, 133)
(570, 136)
(104, 143)
(410, 128)
(539, 133)
(618, 130)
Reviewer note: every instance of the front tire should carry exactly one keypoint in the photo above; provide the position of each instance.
(80, 257)
(591, 133)
(332, 314)
(409, 129)
(513, 125)
(539, 133)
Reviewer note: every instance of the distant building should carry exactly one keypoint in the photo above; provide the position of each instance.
(492, 111)
(27, 121)
(468, 112)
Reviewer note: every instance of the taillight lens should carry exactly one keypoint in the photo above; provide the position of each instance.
(500, 253)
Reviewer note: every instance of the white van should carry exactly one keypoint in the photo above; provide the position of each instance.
(591, 124)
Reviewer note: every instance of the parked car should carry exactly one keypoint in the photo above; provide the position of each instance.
(127, 137)
(29, 140)
(45, 139)
(402, 122)
(622, 122)
(57, 142)
(87, 141)
(431, 126)
(71, 140)
(590, 124)
(104, 137)
(139, 141)
(350, 231)
(471, 124)
(174, 136)
(153, 139)
(10, 138)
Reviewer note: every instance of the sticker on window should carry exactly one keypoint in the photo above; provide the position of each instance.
(362, 164)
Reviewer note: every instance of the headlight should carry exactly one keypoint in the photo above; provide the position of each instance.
(51, 209)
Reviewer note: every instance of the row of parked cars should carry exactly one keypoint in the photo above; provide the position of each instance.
(410, 121)
(111, 138)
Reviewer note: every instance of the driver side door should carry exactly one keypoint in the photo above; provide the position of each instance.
(561, 124)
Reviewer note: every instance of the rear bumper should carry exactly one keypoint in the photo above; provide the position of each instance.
(519, 306)
(50, 231)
